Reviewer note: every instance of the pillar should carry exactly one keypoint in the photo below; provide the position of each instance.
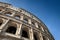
(31, 34)
(18, 32)
(41, 37)
(2, 26)
(36, 25)
(21, 17)
(29, 21)
(19, 27)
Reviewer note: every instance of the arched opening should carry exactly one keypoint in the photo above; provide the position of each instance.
(1, 8)
(1, 21)
(36, 36)
(39, 26)
(26, 20)
(44, 38)
(8, 13)
(11, 29)
(25, 33)
(17, 16)
(32, 22)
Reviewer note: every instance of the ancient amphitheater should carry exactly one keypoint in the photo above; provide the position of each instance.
(19, 24)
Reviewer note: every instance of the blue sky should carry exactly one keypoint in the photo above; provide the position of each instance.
(46, 10)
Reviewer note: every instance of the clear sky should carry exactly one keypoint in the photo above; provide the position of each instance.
(46, 10)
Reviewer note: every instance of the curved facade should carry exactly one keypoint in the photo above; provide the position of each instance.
(19, 24)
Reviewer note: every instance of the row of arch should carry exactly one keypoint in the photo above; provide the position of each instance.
(12, 28)
(1, 22)
(25, 19)
(17, 16)
(24, 32)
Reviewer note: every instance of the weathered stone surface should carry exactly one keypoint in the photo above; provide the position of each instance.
(16, 22)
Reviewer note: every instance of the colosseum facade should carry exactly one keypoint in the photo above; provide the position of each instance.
(19, 24)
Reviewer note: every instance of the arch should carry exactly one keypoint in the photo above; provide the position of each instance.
(8, 13)
(17, 16)
(44, 38)
(39, 26)
(33, 23)
(25, 32)
(26, 20)
(36, 36)
(1, 8)
(12, 27)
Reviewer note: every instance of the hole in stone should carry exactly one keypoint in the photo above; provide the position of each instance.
(17, 17)
(35, 37)
(8, 13)
(44, 38)
(24, 34)
(25, 20)
(33, 23)
(0, 10)
(11, 29)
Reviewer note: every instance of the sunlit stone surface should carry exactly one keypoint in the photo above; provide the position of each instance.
(19, 24)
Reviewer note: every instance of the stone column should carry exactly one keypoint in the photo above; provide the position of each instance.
(36, 25)
(47, 38)
(42, 28)
(29, 21)
(19, 29)
(21, 17)
(2, 26)
(41, 37)
(31, 34)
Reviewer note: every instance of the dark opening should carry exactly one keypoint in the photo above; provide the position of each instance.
(17, 17)
(8, 13)
(24, 34)
(35, 37)
(44, 38)
(11, 29)
(25, 20)
(33, 23)
(1, 21)
(39, 26)
(0, 10)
